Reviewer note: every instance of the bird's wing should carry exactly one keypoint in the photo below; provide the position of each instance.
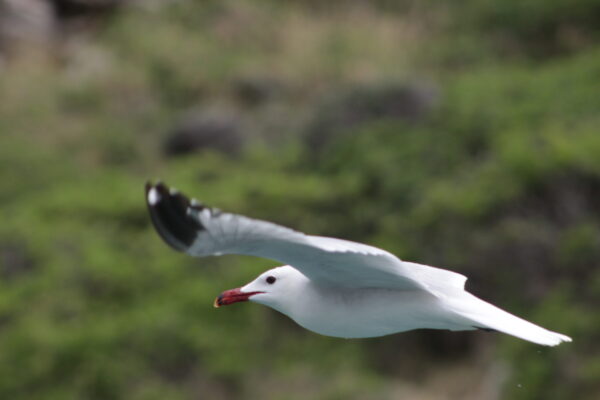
(190, 227)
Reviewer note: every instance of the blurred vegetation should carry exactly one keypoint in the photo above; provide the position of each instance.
(463, 136)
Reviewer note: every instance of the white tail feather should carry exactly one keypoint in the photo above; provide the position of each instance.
(481, 314)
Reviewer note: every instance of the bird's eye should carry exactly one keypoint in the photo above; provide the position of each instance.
(271, 280)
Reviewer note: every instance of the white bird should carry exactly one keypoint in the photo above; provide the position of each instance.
(331, 286)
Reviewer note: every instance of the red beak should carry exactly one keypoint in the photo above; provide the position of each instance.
(232, 296)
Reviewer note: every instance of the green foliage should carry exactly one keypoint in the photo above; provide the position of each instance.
(530, 28)
(499, 181)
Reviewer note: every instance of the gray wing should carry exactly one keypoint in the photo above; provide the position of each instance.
(190, 227)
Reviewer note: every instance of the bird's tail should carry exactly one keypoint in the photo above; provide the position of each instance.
(483, 315)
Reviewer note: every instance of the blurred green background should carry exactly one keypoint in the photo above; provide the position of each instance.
(464, 135)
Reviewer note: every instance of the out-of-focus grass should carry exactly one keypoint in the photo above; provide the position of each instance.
(498, 181)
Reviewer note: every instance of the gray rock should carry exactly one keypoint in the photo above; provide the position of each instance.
(25, 22)
(346, 110)
(201, 131)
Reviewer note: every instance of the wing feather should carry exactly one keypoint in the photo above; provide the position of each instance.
(203, 231)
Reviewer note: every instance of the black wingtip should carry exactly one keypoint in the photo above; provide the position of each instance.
(169, 213)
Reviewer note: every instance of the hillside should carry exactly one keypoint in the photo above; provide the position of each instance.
(466, 137)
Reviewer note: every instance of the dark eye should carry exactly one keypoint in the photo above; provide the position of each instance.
(271, 280)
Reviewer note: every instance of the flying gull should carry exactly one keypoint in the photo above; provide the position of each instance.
(331, 286)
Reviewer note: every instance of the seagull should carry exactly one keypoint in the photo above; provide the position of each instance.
(331, 286)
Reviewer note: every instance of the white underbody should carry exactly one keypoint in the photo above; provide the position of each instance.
(371, 312)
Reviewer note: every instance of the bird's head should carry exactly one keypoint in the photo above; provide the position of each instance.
(275, 288)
